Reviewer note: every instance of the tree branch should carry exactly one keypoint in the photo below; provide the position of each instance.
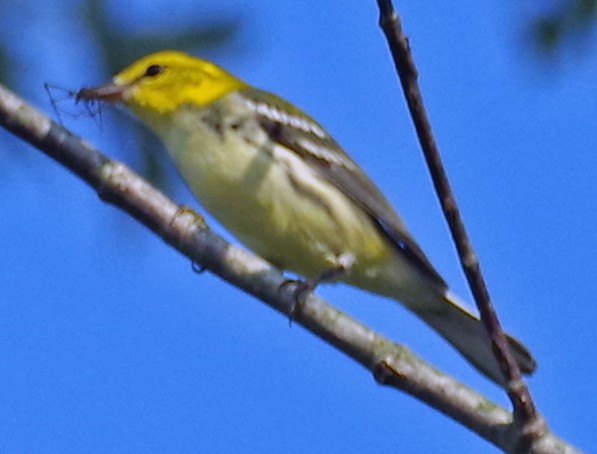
(532, 424)
(391, 364)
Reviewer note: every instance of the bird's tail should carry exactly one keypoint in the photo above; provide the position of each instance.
(466, 333)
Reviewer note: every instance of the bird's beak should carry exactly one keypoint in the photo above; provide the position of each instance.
(108, 92)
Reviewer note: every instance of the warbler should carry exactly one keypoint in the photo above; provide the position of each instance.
(285, 188)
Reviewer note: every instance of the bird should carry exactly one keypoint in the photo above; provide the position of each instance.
(282, 185)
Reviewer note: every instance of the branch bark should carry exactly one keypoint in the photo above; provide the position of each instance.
(532, 425)
(391, 364)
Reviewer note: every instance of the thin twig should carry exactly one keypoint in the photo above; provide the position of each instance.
(390, 363)
(524, 408)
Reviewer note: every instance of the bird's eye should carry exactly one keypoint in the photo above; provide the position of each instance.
(153, 70)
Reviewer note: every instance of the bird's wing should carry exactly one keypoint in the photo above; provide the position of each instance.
(304, 136)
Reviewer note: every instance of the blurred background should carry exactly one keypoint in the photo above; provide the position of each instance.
(109, 342)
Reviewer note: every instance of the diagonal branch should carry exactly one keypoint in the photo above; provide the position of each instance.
(524, 408)
(391, 364)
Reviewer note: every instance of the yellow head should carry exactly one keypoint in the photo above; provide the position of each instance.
(163, 81)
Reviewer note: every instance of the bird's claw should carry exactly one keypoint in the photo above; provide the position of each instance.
(302, 287)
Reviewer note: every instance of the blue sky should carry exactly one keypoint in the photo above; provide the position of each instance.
(110, 343)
